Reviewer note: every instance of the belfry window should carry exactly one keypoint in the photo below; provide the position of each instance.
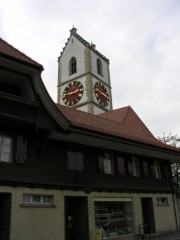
(99, 67)
(72, 66)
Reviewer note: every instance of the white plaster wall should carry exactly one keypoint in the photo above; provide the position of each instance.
(75, 49)
(105, 67)
(28, 223)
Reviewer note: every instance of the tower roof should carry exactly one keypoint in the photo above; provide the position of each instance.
(73, 32)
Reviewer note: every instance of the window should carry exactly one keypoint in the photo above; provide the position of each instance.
(121, 167)
(162, 201)
(72, 66)
(157, 169)
(37, 200)
(106, 163)
(99, 67)
(133, 167)
(75, 160)
(5, 148)
(114, 215)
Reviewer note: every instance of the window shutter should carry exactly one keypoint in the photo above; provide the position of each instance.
(21, 151)
(167, 171)
(146, 169)
(79, 161)
(101, 163)
(120, 162)
(71, 160)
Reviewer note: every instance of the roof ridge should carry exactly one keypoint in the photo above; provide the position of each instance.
(20, 52)
(110, 120)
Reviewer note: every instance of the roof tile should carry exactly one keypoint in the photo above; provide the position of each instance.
(9, 50)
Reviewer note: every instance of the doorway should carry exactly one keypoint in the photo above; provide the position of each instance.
(148, 214)
(76, 218)
(5, 215)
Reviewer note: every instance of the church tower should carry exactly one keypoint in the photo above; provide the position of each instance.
(83, 76)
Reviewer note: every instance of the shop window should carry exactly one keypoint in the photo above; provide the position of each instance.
(106, 164)
(99, 67)
(37, 200)
(162, 201)
(133, 167)
(121, 167)
(5, 149)
(75, 160)
(72, 66)
(115, 216)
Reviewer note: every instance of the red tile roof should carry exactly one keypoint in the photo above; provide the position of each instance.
(118, 129)
(9, 50)
(127, 116)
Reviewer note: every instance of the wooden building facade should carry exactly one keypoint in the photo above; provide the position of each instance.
(64, 172)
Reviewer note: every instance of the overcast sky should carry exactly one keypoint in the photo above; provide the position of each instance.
(141, 38)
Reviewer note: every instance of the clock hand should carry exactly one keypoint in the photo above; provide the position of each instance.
(101, 93)
(70, 93)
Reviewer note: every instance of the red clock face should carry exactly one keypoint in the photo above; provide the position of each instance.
(72, 93)
(101, 94)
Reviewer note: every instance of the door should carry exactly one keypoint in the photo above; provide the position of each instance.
(76, 218)
(148, 214)
(5, 215)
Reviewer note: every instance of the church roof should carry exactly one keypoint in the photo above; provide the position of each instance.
(130, 127)
(8, 50)
(73, 32)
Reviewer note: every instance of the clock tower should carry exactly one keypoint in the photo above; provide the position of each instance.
(83, 76)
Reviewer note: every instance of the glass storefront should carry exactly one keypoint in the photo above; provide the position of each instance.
(115, 216)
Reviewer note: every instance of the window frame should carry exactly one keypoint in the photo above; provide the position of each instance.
(3, 145)
(162, 201)
(99, 67)
(32, 203)
(106, 163)
(72, 66)
(157, 166)
(73, 162)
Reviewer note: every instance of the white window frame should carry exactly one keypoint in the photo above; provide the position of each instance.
(5, 149)
(157, 169)
(162, 201)
(108, 163)
(29, 200)
(136, 169)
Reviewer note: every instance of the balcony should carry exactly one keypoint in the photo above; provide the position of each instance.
(18, 108)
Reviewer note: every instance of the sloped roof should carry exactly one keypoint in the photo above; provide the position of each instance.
(127, 116)
(9, 50)
(110, 127)
(85, 43)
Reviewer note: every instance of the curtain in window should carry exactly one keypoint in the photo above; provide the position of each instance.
(101, 163)
(21, 151)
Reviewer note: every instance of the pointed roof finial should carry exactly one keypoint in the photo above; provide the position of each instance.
(93, 46)
(73, 30)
